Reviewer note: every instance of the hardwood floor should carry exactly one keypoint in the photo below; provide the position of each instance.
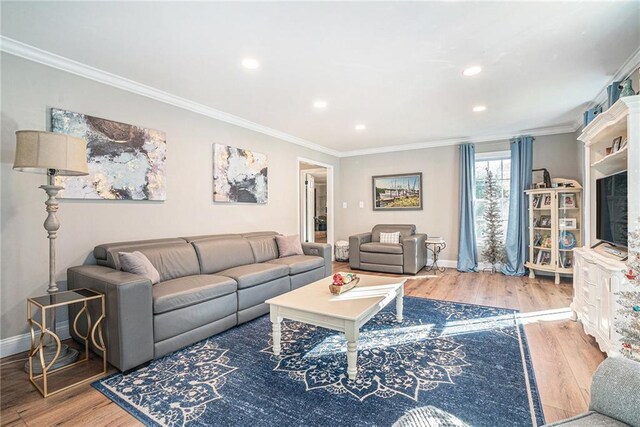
(564, 358)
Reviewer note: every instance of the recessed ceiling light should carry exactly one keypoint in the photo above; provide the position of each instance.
(250, 63)
(360, 127)
(320, 104)
(479, 108)
(472, 71)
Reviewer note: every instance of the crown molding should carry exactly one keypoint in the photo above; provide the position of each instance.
(31, 53)
(551, 130)
(629, 66)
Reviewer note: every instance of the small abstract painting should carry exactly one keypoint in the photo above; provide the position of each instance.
(126, 162)
(397, 192)
(239, 175)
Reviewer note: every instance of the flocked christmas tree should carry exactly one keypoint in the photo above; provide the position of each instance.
(628, 318)
(493, 250)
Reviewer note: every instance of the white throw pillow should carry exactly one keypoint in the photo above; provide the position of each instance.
(390, 238)
(137, 263)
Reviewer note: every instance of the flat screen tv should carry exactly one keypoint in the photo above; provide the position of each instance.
(611, 209)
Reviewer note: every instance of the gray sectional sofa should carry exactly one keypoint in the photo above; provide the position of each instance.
(207, 284)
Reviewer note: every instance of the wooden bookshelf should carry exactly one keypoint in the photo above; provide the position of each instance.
(554, 256)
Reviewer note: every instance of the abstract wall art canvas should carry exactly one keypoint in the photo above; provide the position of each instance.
(239, 175)
(126, 162)
(397, 192)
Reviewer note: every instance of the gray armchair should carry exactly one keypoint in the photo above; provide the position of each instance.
(408, 257)
(615, 401)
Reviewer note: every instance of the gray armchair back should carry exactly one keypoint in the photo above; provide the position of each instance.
(407, 257)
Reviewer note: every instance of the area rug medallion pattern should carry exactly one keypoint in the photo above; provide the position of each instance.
(469, 361)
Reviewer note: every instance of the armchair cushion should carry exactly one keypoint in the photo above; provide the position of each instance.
(382, 248)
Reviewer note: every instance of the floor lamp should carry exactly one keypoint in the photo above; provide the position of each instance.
(53, 154)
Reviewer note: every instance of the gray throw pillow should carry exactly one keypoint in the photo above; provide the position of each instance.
(137, 263)
(289, 245)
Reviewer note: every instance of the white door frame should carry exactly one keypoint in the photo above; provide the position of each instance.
(331, 224)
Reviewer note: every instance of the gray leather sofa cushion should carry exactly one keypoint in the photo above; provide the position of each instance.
(383, 248)
(405, 230)
(172, 344)
(255, 274)
(255, 295)
(252, 313)
(212, 237)
(107, 254)
(185, 291)
(259, 234)
(303, 279)
(385, 259)
(264, 248)
(220, 254)
(174, 260)
(176, 322)
(299, 263)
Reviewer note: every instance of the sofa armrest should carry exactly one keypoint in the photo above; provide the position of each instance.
(320, 249)
(354, 247)
(614, 390)
(414, 253)
(128, 327)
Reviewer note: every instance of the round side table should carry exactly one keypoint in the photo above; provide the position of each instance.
(435, 245)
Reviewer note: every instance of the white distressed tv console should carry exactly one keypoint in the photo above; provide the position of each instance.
(598, 276)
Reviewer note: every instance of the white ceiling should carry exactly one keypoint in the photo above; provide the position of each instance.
(394, 66)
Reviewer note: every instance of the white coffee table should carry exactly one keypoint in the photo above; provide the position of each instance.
(315, 305)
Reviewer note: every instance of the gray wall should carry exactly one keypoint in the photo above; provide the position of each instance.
(29, 90)
(560, 154)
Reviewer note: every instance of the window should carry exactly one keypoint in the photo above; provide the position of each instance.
(499, 163)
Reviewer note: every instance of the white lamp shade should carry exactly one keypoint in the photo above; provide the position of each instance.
(38, 151)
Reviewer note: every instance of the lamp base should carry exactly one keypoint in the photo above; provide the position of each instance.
(66, 357)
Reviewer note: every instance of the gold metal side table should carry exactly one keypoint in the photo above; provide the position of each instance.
(44, 304)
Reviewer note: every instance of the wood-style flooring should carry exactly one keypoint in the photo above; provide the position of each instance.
(564, 358)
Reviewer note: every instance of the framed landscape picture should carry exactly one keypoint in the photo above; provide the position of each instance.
(397, 192)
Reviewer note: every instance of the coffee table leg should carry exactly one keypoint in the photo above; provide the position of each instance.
(351, 334)
(399, 303)
(275, 327)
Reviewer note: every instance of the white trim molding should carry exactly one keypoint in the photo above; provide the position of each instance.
(623, 72)
(31, 53)
(551, 130)
(19, 343)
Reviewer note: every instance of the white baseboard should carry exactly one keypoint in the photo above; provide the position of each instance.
(452, 263)
(20, 343)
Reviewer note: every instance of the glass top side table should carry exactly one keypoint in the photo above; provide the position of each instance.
(435, 245)
(93, 334)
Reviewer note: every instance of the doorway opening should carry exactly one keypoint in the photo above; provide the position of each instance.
(315, 201)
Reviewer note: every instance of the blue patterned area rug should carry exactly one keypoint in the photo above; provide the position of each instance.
(455, 364)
